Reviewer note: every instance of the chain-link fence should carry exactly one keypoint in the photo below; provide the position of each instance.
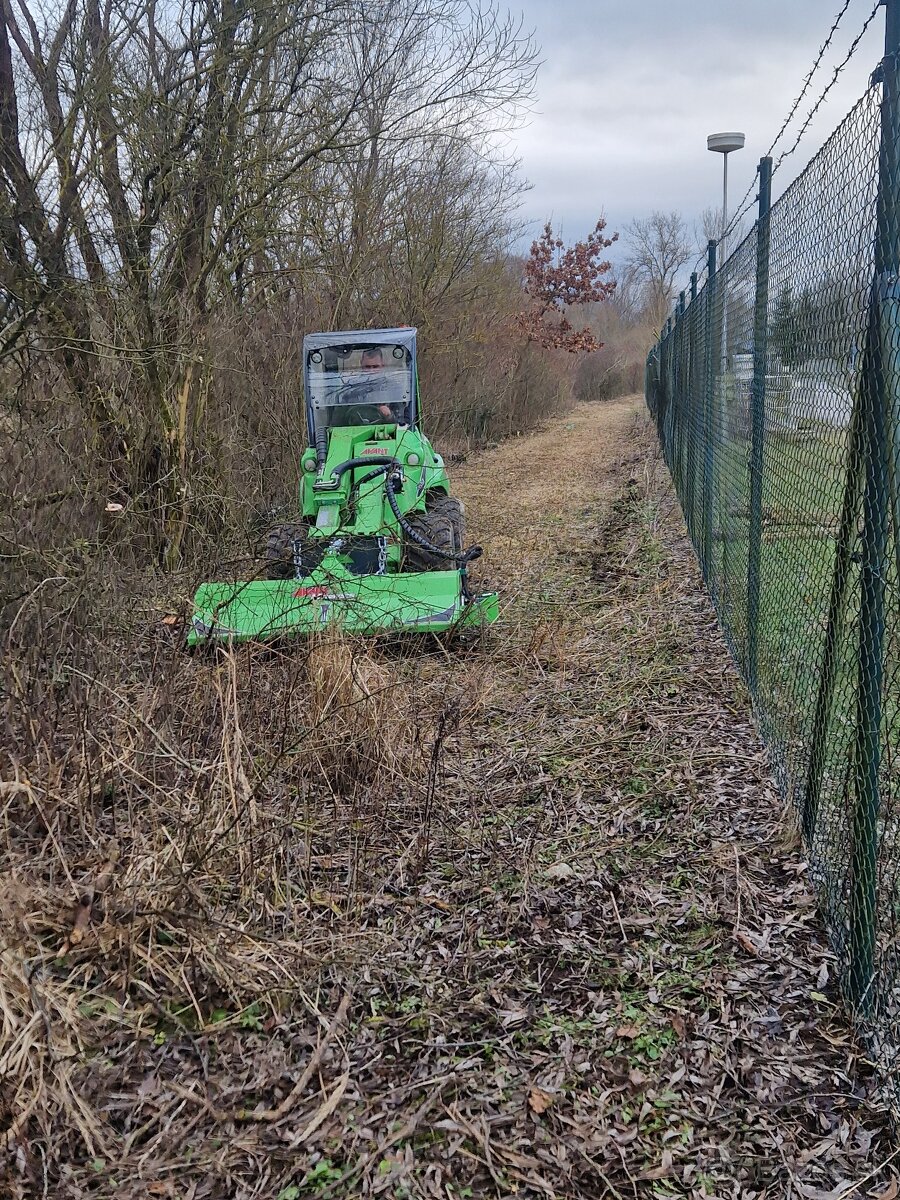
(776, 391)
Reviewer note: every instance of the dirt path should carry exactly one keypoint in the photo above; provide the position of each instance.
(576, 459)
(519, 919)
(544, 484)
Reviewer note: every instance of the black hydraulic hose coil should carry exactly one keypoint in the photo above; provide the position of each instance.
(351, 464)
(391, 487)
(463, 560)
(321, 447)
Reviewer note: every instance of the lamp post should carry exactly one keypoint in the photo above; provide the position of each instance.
(724, 144)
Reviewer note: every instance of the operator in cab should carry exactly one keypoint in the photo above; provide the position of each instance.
(376, 407)
(372, 360)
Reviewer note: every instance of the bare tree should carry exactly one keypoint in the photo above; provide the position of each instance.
(708, 227)
(660, 246)
(160, 161)
(425, 190)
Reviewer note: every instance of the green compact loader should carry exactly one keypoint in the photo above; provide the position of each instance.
(379, 543)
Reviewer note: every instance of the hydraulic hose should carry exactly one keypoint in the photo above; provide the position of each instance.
(373, 474)
(366, 461)
(391, 487)
(463, 560)
(321, 448)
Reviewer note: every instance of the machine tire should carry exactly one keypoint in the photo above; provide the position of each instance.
(442, 524)
(279, 555)
(456, 513)
(452, 509)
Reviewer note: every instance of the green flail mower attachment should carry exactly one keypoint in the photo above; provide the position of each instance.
(262, 609)
(378, 543)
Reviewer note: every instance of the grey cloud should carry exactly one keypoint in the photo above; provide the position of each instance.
(629, 91)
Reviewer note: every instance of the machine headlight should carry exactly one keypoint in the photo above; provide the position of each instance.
(412, 460)
(328, 517)
(309, 464)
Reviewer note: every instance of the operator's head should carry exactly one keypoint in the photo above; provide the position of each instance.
(372, 359)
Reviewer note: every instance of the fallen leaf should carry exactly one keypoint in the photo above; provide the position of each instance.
(811, 1192)
(323, 1111)
(85, 906)
(105, 874)
(746, 943)
(891, 1191)
(638, 922)
(678, 1024)
(628, 1031)
(539, 1101)
(171, 619)
(113, 507)
(664, 1168)
(82, 918)
(560, 870)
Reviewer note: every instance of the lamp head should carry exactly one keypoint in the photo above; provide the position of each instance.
(724, 143)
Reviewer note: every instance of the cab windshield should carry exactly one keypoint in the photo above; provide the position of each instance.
(359, 384)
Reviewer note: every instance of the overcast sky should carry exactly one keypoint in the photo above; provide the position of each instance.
(629, 90)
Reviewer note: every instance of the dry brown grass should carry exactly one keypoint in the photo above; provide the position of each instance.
(185, 838)
(191, 839)
(352, 918)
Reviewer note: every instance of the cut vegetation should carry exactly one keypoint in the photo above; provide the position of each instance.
(512, 918)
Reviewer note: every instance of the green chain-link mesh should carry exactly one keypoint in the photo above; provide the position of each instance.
(776, 393)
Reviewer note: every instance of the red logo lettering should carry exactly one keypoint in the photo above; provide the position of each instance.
(310, 592)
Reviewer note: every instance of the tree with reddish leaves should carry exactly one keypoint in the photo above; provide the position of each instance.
(556, 278)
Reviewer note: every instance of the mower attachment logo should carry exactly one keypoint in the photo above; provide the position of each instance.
(310, 593)
(320, 592)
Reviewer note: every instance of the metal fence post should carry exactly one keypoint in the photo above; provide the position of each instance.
(691, 409)
(758, 420)
(708, 409)
(670, 396)
(878, 404)
(664, 407)
(890, 297)
(678, 406)
(843, 558)
(650, 380)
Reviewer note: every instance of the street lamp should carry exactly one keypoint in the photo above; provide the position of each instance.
(724, 144)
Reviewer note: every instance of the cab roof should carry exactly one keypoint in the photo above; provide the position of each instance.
(402, 336)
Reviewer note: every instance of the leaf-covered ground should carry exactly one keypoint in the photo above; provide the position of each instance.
(519, 918)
